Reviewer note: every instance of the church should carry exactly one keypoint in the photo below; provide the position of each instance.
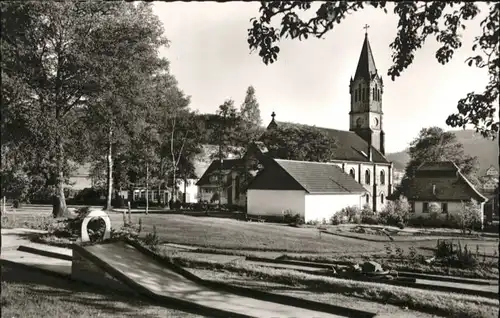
(359, 152)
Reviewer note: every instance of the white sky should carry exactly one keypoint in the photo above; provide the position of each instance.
(309, 83)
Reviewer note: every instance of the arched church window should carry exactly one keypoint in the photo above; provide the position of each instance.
(367, 176)
(359, 122)
(364, 92)
(355, 95)
(379, 94)
(373, 94)
(382, 198)
(352, 173)
(382, 177)
(367, 198)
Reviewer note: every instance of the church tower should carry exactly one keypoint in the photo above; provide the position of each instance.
(366, 89)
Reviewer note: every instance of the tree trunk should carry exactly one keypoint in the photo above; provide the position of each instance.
(147, 194)
(110, 172)
(59, 208)
(185, 187)
(174, 186)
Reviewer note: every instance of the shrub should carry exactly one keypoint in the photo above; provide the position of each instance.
(368, 216)
(291, 218)
(396, 213)
(337, 219)
(152, 240)
(350, 214)
(461, 257)
(469, 216)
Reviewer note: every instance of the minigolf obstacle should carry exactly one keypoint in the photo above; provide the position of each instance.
(93, 213)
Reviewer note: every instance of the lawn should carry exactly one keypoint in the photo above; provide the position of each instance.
(30, 294)
(227, 233)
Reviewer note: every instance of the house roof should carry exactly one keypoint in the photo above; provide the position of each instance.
(227, 164)
(366, 64)
(350, 146)
(436, 183)
(313, 177)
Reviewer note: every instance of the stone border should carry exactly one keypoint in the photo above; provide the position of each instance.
(257, 294)
(38, 251)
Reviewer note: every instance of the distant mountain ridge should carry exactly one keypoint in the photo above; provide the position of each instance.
(485, 150)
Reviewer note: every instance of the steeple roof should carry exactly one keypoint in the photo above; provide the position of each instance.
(366, 64)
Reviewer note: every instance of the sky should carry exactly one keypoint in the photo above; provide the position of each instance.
(309, 83)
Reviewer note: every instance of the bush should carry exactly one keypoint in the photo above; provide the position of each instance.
(350, 214)
(291, 218)
(337, 219)
(457, 257)
(368, 216)
(395, 213)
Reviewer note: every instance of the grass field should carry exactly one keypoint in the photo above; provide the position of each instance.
(31, 294)
(232, 234)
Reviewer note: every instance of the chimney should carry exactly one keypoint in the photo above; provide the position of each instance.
(433, 189)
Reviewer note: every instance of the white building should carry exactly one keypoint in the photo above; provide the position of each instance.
(314, 190)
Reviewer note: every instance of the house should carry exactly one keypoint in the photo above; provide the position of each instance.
(314, 190)
(441, 185)
(359, 152)
(220, 180)
(492, 172)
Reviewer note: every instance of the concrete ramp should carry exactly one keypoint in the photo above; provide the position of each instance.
(125, 266)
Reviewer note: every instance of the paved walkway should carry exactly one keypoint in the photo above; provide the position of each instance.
(162, 281)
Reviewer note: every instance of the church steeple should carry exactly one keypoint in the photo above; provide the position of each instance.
(366, 64)
(366, 89)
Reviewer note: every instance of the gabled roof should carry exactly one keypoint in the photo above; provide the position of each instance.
(215, 166)
(441, 181)
(313, 177)
(366, 65)
(350, 146)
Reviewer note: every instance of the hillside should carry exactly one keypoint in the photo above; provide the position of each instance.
(485, 150)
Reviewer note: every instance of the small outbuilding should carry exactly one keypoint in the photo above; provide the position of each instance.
(314, 190)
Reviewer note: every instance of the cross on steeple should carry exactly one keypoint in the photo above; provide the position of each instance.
(273, 115)
(366, 28)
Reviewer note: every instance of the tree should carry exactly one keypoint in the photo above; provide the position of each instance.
(57, 56)
(299, 143)
(250, 112)
(417, 21)
(435, 144)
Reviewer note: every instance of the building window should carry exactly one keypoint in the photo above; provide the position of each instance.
(382, 198)
(382, 177)
(355, 95)
(352, 173)
(367, 198)
(444, 207)
(367, 176)
(425, 207)
(363, 96)
(412, 206)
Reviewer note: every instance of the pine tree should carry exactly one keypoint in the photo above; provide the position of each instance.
(249, 110)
